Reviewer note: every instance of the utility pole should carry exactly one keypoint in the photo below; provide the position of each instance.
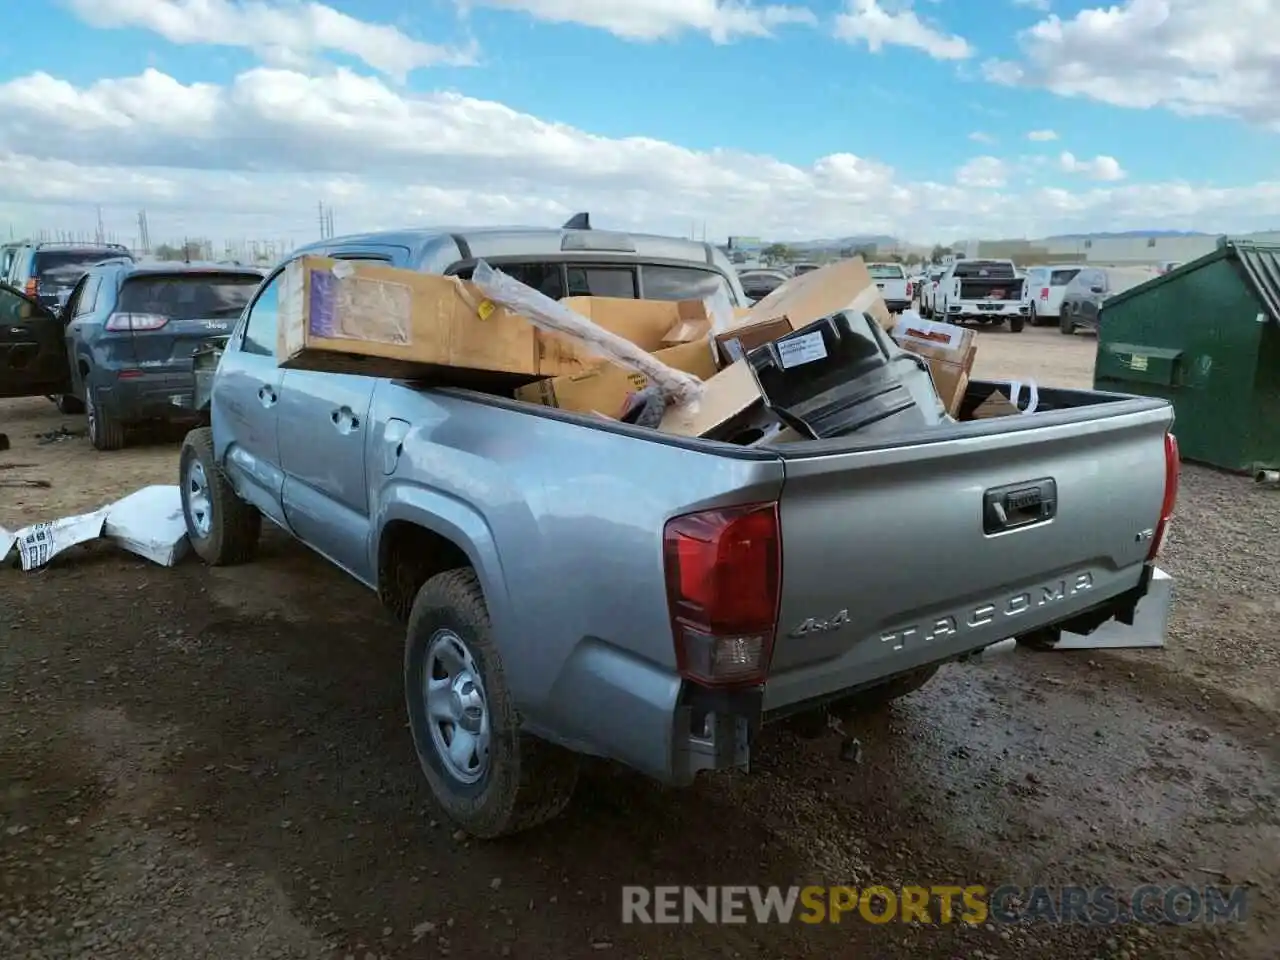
(101, 235)
(330, 223)
(144, 235)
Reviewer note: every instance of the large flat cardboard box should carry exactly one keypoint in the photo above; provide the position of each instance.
(346, 317)
(604, 388)
(948, 349)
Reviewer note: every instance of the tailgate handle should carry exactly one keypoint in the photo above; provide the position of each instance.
(1019, 505)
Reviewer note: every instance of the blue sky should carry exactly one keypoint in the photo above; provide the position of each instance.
(935, 99)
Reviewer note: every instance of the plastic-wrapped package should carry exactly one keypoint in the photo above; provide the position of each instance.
(551, 315)
(719, 310)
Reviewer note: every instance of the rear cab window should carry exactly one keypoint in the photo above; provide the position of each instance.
(984, 269)
(885, 271)
(558, 279)
(188, 296)
(62, 269)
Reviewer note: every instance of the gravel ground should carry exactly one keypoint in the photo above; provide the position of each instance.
(199, 763)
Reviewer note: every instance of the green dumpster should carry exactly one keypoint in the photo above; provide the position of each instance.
(1206, 337)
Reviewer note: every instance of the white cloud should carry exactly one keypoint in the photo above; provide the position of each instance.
(1194, 57)
(721, 20)
(1042, 136)
(983, 172)
(281, 32)
(869, 22)
(1100, 167)
(979, 137)
(251, 158)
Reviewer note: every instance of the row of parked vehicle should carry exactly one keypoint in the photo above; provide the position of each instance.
(100, 332)
(996, 291)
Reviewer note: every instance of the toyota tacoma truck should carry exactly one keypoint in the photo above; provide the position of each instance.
(572, 585)
(981, 291)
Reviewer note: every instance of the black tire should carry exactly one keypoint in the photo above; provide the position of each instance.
(229, 529)
(881, 696)
(523, 782)
(1016, 324)
(105, 431)
(1035, 319)
(1065, 326)
(69, 404)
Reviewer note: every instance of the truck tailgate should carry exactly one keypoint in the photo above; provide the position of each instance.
(894, 557)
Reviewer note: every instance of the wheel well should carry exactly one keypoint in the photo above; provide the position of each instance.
(409, 556)
(84, 369)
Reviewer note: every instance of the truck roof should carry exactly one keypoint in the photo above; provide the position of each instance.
(477, 243)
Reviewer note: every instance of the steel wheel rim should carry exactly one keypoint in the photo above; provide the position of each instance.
(91, 415)
(456, 707)
(199, 504)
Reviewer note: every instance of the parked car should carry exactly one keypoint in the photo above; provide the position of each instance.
(47, 272)
(929, 291)
(1084, 296)
(1044, 289)
(981, 291)
(758, 284)
(803, 267)
(895, 288)
(575, 585)
(120, 350)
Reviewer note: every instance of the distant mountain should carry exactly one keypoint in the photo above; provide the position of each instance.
(837, 243)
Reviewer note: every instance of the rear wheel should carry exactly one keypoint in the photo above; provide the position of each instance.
(105, 431)
(1033, 318)
(1016, 324)
(1065, 326)
(222, 528)
(488, 776)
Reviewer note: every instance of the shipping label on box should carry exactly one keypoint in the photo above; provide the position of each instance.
(737, 342)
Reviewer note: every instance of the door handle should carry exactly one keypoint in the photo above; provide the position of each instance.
(267, 394)
(345, 419)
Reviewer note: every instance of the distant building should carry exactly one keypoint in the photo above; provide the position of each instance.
(1115, 251)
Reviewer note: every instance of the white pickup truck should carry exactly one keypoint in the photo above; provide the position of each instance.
(981, 291)
(895, 287)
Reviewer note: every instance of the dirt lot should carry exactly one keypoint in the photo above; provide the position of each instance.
(199, 763)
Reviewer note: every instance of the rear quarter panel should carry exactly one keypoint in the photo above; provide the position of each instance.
(563, 523)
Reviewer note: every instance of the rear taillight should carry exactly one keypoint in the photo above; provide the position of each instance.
(724, 583)
(32, 288)
(1172, 470)
(123, 322)
(1044, 293)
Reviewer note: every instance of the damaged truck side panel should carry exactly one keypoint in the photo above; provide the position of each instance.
(577, 585)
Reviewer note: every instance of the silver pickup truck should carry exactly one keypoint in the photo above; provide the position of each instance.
(573, 585)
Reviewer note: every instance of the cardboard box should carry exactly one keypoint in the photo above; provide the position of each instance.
(604, 388)
(347, 317)
(948, 349)
(649, 324)
(996, 405)
(732, 392)
(843, 285)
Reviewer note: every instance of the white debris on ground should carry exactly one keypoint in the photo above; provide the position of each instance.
(147, 522)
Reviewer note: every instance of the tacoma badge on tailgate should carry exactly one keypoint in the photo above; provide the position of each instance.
(988, 613)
